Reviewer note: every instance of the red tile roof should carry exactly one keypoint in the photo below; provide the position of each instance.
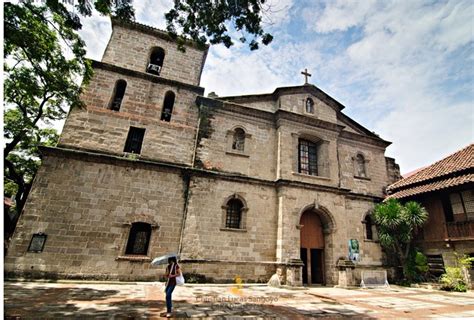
(451, 171)
(406, 175)
(434, 186)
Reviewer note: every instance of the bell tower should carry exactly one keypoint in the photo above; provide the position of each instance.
(140, 102)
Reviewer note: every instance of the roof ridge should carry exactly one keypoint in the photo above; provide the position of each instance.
(417, 177)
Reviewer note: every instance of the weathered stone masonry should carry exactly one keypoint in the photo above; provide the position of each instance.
(88, 194)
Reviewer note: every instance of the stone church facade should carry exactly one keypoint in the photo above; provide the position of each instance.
(240, 186)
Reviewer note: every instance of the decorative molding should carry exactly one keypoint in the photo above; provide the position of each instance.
(237, 153)
(146, 76)
(233, 229)
(362, 178)
(155, 32)
(133, 258)
(87, 155)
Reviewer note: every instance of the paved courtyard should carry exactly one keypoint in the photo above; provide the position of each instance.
(94, 300)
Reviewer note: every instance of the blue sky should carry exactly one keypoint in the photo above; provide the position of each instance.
(403, 69)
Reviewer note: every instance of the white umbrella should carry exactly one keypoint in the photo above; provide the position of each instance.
(163, 259)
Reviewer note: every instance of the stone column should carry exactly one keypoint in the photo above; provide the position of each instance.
(294, 269)
(346, 273)
(280, 226)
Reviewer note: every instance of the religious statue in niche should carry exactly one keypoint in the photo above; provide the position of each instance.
(361, 166)
(353, 250)
(309, 105)
(239, 140)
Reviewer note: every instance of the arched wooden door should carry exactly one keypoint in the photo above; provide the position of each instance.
(312, 247)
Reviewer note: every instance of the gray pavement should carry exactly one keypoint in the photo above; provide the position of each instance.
(95, 300)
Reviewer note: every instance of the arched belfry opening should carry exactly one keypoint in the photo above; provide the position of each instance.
(314, 224)
(155, 63)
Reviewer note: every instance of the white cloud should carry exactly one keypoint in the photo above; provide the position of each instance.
(235, 72)
(96, 31)
(456, 26)
(276, 12)
(152, 12)
(402, 68)
(338, 15)
(427, 134)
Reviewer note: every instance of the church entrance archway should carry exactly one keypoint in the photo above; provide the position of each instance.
(312, 247)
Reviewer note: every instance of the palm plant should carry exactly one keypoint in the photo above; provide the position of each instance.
(397, 225)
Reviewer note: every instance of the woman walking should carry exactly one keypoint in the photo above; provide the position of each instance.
(172, 271)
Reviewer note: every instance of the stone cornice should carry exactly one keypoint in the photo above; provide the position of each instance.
(87, 155)
(356, 126)
(155, 32)
(305, 185)
(234, 107)
(146, 76)
(366, 139)
(267, 115)
(290, 116)
(307, 88)
(301, 119)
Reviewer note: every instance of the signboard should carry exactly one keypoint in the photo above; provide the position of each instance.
(37, 242)
(353, 250)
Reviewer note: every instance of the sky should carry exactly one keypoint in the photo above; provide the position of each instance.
(403, 69)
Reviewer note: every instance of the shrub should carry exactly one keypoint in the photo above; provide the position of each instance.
(453, 280)
(456, 278)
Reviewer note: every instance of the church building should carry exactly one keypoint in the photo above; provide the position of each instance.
(240, 186)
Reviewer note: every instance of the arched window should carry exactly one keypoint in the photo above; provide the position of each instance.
(307, 157)
(309, 105)
(369, 235)
(238, 142)
(234, 214)
(139, 238)
(360, 166)
(167, 106)
(117, 97)
(370, 229)
(157, 56)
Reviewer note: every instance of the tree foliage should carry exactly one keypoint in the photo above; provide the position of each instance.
(397, 225)
(456, 278)
(205, 21)
(44, 61)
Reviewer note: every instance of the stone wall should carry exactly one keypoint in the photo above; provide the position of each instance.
(342, 219)
(375, 167)
(130, 47)
(393, 170)
(98, 128)
(296, 103)
(87, 194)
(258, 159)
(289, 133)
(228, 271)
(86, 206)
(206, 235)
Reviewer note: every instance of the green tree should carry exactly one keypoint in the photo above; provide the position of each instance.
(44, 62)
(210, 20)
(397, 225)
(456, 278)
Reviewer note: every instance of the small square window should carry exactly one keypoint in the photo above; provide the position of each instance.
(134, 140)
(138, 239)
(37, 242)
